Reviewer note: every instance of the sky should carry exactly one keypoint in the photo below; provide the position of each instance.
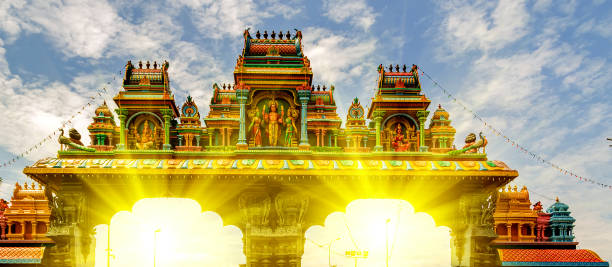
(539, 71)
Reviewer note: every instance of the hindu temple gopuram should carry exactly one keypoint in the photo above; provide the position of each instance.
(273, 157)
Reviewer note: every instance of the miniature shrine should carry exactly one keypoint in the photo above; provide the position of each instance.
(532, 237)
(272, 154)
(24, 225)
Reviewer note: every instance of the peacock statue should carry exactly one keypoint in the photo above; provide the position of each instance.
(471, 146)
(73, 142)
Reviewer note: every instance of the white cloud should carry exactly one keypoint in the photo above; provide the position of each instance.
(348, 63)
(357, 12)
(481, 25)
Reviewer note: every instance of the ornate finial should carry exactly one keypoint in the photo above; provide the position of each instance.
(288, 35)
(40, 187)
(313, 88)
(265, 35)
(390, 67)
(324, 87)
(154, 64)
(148, 64)
(439, 106)
(404, 68)
(140, 64)
(33, 186)
(503, 189)
(280, 35)
(515, 188)
(273, 35)
(257, 35)
(396, 68)
(224, 86)
(524, 188)
(557, 199)
(319, 87)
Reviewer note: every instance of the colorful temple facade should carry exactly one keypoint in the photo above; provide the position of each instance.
(271, 156)
(24, 225)
(531, 237)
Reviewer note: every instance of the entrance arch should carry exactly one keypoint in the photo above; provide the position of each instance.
(171, 231)
(414, 239)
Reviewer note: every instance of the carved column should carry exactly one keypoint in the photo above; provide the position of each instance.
(122, 114)
(509, 227)
(473, 230)
(422, 115)
(241, 95)
(378, 116)
(304, 96)
(210, 136)
(273, 228)
(167, 113)
(70, 228)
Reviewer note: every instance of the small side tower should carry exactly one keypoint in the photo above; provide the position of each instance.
(561, 223)
(190, 128)
(102, 129)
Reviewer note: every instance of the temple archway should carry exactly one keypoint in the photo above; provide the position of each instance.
(360, 234)
(171, 231)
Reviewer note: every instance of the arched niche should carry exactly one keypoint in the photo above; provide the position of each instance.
(414, 238)
(176, 230)
(409, 126)
(285, 106)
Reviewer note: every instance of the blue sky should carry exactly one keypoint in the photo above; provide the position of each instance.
(540, 71)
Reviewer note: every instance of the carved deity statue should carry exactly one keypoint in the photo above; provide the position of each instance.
(147, 139)
(255, 126)
(289, 123)
(274, 119)
(400, 142)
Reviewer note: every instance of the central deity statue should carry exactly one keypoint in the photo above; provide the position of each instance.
(274, 119)
(146, 138)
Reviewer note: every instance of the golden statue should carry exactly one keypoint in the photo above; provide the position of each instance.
(274, 120)
(147, 140)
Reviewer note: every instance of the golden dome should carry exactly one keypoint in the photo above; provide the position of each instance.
(440, 113)
(103, 111)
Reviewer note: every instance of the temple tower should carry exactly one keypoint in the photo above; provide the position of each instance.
(102, 129)
(146, 107)
(399, 108)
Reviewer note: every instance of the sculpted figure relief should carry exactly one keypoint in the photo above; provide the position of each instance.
(400, 141)
(255, 126)
(274, 119)
(147, 139)
(290, 128)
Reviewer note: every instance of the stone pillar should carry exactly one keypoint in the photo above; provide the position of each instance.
(229, 136)
(473, 230)
(422, 115)
(265, 234)
(323, 131)
(318, 134)
(197, 140)
(241, 95)
(34, 224)
(167, 113)
(70, 228)
(378, 116)
(509, 227)
(222, 136)
(122, 114)
(210, 136)
(180, 139)
(336, 138)
(304, 96)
